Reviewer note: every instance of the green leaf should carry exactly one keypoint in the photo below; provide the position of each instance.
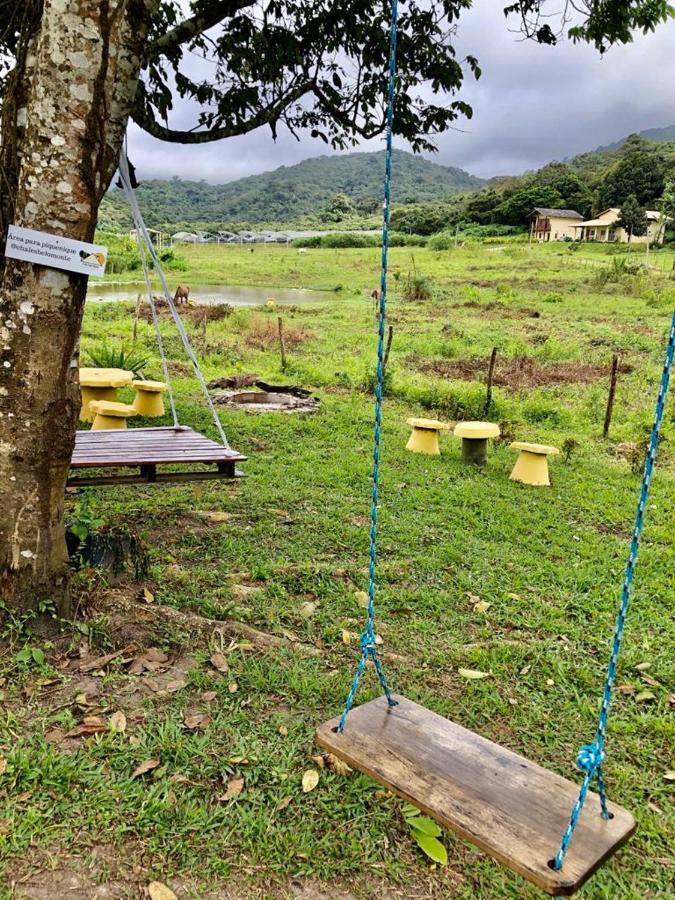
(80, 531)
(38, 656)
(409, 811)
(433, 848)
(24, 656)
(426, 826)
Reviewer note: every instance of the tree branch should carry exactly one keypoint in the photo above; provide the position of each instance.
(143, 117)
(196, 25)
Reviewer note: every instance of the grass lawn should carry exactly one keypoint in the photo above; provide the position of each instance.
(284, 551)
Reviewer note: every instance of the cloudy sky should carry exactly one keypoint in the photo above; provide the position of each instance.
(532, 104)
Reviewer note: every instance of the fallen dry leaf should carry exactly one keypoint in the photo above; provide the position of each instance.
(282, 804)
(482, 606)
(145, 767)
(233, 687)
(473, 674)
(159, 891)
(525, 670)
(209, 696)
(643, 666)
(3, 765)
(118, 722)
(148, 596)
(307, 609)
(55, 735)
(174, 686)
(319, 761)
(473, 598)
(196, 721)
(283, 731)
(219, 662)
(652, 682)
(669, 776)
(346, 636)
(310, 779)
(626, 689)
(179, 779)
(361, 599)
(239, 760)
(90, 725)
(645, 697)
(337, 765)
(233, 788)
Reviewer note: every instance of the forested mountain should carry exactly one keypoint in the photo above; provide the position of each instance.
(291, 192)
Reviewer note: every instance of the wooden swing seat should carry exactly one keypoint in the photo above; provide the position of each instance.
(145, 449)
(511, 808)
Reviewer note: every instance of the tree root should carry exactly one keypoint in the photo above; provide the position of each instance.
(125, 612)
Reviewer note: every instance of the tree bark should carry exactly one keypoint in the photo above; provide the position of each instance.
(81, 73)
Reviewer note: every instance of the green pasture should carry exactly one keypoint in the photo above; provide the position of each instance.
(285, 550)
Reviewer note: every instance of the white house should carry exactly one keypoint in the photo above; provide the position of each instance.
(553, 224)
(604, 228)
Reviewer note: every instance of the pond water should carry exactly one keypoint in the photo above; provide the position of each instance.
(209, 294)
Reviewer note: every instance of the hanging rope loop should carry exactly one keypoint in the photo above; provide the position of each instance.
(368, 638)
(142, 230)
(590, 758)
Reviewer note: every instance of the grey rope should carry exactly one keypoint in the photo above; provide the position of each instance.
(158, 333)
(143, 231)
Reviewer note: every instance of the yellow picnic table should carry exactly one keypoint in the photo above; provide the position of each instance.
(100, 384)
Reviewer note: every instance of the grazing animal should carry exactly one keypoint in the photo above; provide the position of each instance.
(182, 294)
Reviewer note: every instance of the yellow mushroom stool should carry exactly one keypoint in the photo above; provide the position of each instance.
(148, 400)
(532, 464)
(474, 437)
(424, 437)
(100, 384)
(109, 415)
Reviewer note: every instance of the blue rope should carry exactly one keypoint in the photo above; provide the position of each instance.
(368, 644)
(592, 756)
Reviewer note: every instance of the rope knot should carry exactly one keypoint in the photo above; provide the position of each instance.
(590, 758)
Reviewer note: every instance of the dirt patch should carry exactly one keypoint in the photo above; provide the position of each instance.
(263, 334)
(518, 373)
(500, 310)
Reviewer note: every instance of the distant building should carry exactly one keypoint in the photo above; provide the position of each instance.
(605, 230)
(553, 224)
(185, 237)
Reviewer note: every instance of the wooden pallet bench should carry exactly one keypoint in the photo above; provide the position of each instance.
(145, 449)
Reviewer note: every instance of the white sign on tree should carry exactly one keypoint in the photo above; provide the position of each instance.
(55, 251)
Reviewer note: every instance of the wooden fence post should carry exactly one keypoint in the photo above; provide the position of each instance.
(491, 372)
(610, 396)
(282, 345)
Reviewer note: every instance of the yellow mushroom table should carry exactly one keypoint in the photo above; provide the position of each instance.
(474, 437)
(532, 464)
(424, 437)
(100, 384)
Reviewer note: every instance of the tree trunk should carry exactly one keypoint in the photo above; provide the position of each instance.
(75, 86)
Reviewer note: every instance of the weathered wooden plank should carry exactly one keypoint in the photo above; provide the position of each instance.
(508, 806)
(147, 448)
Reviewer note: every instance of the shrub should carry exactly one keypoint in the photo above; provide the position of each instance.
(441, 241)
(417, 287)
(106, 356)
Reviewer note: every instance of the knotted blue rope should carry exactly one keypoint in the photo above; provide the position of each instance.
(592, 756)
(368, 644)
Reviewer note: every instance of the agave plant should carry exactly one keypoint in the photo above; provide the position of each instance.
(107, 356)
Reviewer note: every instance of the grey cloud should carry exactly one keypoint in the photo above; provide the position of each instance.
(532, 104)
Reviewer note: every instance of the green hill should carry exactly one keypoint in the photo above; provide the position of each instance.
(658, 135)
(290, 193)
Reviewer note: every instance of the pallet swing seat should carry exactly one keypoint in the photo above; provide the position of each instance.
(521, 814)
(105, 456)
